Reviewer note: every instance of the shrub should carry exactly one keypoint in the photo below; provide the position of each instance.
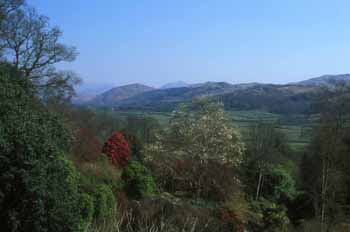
(99, 172)
(239, 207)
(212, 181)
(86, 203)
(270, 216)
(139, 182)
(280, 184)
(117, 149)
(105, 202)
(62, 196)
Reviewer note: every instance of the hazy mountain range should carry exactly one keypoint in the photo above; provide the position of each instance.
(289, 98)
(325, 79)
(177, 84)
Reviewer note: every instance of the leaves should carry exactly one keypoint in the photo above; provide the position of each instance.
(200, 131)
(117, 149)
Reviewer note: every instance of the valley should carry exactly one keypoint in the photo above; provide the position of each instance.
(296, 128)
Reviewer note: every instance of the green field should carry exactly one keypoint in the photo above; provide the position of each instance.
(296, 128)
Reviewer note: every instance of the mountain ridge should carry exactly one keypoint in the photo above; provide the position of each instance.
(119, 93)
(324, 79)
(281, 98)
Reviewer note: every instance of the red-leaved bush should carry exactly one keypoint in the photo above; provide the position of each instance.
(117, 149)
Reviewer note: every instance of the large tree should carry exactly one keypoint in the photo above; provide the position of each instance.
(326, 176)
(33, 46)
(266, 148)
(200, 141)
(38, 186)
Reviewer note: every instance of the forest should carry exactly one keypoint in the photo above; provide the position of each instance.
(69, 168)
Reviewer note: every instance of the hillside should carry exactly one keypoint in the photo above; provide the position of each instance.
(294, 98)
(167, 99)
(117, 94)
(282, 99)
(325, 79)
(172, 85)
(273, 98)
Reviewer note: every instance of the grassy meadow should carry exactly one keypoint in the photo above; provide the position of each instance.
(296, 128)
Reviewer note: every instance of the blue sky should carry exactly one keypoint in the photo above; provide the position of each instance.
(159, 41)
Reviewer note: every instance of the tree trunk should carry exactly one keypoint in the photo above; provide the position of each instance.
(258, 186)
(325, 170)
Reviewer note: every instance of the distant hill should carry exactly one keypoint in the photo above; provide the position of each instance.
(283, 99)
(172, 85)
(167, 99)
(115, 95)
(325, 80)
(294, 98)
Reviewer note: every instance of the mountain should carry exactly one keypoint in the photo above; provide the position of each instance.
(293, 98)
(172, 85)
(115, 95)
(168, 99)
(283, 99)
(325, 80)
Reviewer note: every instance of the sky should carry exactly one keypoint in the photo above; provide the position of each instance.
(238, 41)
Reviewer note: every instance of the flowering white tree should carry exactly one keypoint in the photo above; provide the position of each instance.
(206, 133)
(199, 137)
(200, 131)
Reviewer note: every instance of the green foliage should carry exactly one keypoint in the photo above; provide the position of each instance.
(86, 203)
(239, 206)
(325, 165)
(199, 131)
(139, 182)
(63, 195)
(99, 172)
(142, 126)
(135, 146)
(283, 184)
(105, 202)
(269, 172)
(200, 153)
(38, 186)
(270, 216)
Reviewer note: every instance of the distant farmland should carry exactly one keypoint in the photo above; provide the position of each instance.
(296, 128)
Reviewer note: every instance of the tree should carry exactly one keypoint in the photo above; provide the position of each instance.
(33, 46)
(86, 146)
(325, 159)
(266, 148)
(280, 184)
(6, 8)
(202, 132)
(38, 186)
(143, 127)
(199, 136)
(117, 149)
